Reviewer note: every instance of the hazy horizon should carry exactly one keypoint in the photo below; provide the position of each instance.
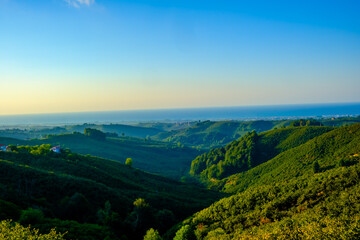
(84, 56)
(239, 113)
(194, 108)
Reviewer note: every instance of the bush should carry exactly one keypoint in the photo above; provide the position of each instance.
(152, 234)
(129, 162)
(31, 216)
(10, 230)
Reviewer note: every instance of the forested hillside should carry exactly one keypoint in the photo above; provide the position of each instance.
(210, 134)
(310, 191)
(294, 182)
(90, 197)
(250, 151)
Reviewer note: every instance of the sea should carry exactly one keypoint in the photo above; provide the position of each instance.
(268, 112)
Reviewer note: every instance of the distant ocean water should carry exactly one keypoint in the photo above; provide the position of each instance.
(190, 114)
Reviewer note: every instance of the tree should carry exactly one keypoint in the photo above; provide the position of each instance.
(129, 162)
(105, 215)
(140, 203)
(76, 207)
(165, 219)
(152, 234)
(94, 133)
(141, 218)
(31, 216)
(316, 167)
(10, 230)
(184, 233)
(342, 163)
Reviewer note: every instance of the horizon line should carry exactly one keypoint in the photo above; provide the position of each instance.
(179, 108)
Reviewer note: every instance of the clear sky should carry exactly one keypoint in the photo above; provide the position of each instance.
(93, 55)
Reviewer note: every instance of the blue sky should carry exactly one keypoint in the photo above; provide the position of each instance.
(93, 55)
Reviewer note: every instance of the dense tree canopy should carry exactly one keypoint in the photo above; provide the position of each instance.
(284, 199)
(251, 150)
(94, 133)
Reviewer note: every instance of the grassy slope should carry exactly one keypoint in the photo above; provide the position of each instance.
(155, 157)
(284, 199)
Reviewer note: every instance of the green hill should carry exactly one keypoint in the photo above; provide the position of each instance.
(209, 134)
(250, 151)
(31, 132)
(166, 126)
(70, 191)
(310, 191)
(327, 150)
(156, 157)
(120, 129)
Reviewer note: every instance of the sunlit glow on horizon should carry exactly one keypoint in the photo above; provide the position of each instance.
(78, 56)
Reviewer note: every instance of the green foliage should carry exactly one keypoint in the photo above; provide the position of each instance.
(31, 216)
(235, 157)
(75, 230)
(208, 134)
(342, 163)
(75, 189)
(157, 157)
(316, 167)
(321, 206)
(106, 216)
(76, 207)
(251, 150)
(327, 149)
(9, 210)
(129, 162)
(303, 122)
(10, 230)
(283, 199)
(165, 219)
(140, 203)
(152, 234)
(184, 233)
(94, 133)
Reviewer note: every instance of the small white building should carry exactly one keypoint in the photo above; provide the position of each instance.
(56, 149)
(3, 147)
